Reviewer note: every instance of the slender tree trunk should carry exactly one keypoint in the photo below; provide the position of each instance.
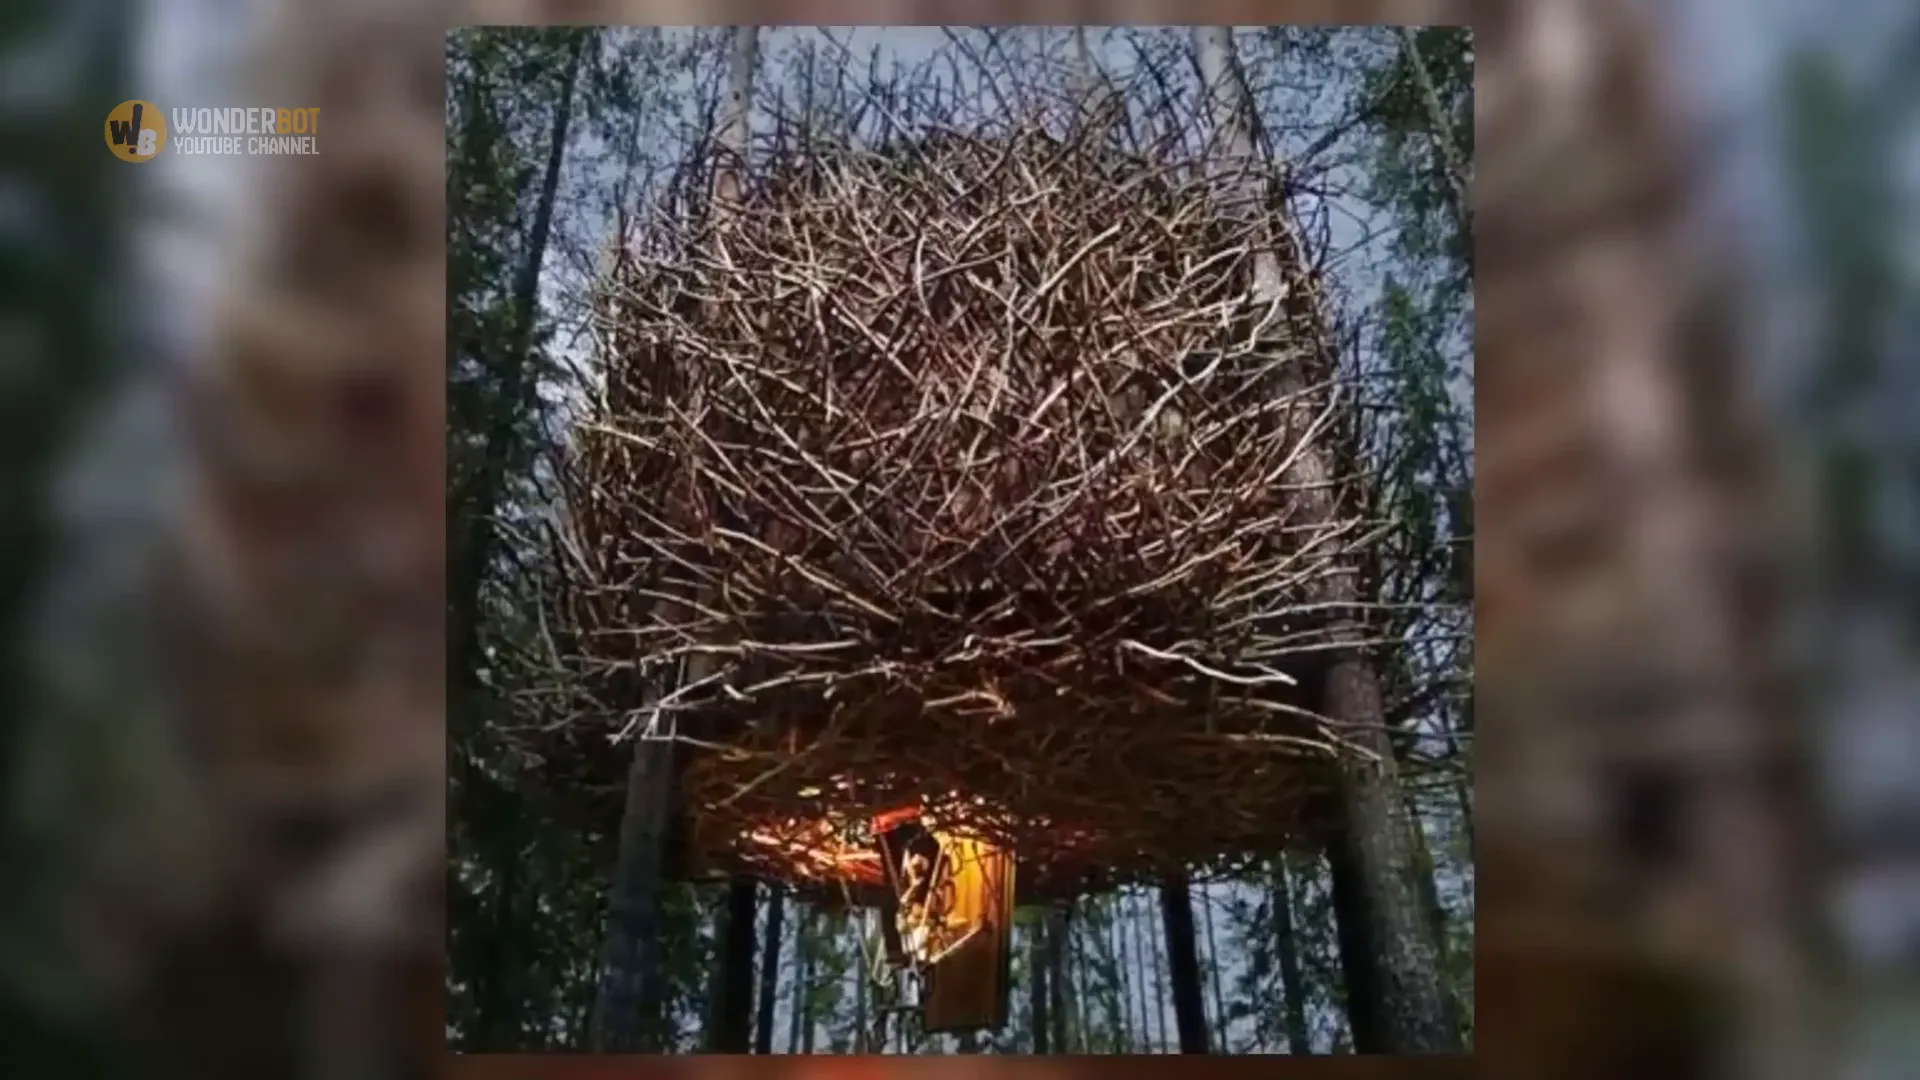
(731, 1025)
(799, 981)
(713, 963)
(1151, 943)
(808, 968)
(1424, 877)
(1426, 883)
(1061, 1005)
(627, 1012)
(1213, 972)
(1293, 987)
(1183, 965)
(1460, 513)
(1123, 970)
(1410, 1007)
(883, 1003)
(1037, 965)
(1463, 790)
(769, 971)
(860, 985)
(1359, 958)
(743, 57)
(1082, 985)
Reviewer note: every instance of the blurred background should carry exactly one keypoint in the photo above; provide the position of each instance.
(1803, 120)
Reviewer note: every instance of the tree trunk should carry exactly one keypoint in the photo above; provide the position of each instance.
(1380, 851)
(1410, 1005)
(1183, 965)
(1123, 967)
(1359, 956)
(1152, 948)
(731, 1025)
(769, 972)
(1424, 870)
(1078, 980)
(743, 58)
(712, 961)
(808, 968)
(1042, 1016)
(1061, 1003)
(1293, 987)
(884, 1003)
(627, 1011)
(862, 982)
(799, 981)
(1213, 972)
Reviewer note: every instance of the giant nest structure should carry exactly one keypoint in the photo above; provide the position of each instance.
(965, 474)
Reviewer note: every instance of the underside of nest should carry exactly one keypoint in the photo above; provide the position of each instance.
(967, 474)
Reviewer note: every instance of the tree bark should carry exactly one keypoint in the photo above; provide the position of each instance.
(1292, 986)
(1042, 1016)
(731, 1030)
(627, 1011)
(1077, 980)
(1429, 887)
(1123, 967)
(805, 990)
(1183, 965)
(743, 58)
(769, 971)
(799, 981)
(1359, 956)
(1060, 1006)
(1410, 1006)
(862, 982)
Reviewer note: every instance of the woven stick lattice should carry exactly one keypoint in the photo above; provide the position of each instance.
(962, 469)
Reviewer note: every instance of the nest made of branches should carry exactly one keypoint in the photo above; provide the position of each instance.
(967, 468)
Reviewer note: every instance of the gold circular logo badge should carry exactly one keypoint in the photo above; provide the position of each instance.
(136, 131)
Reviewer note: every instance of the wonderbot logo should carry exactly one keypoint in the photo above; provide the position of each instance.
(138, 131)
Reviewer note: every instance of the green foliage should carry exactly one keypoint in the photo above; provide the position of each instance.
(1416, 94)
(1841, 137)
(524, 904)
(1415, 166)
(76, 732)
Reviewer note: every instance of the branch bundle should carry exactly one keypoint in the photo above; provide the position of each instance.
(954, 471)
